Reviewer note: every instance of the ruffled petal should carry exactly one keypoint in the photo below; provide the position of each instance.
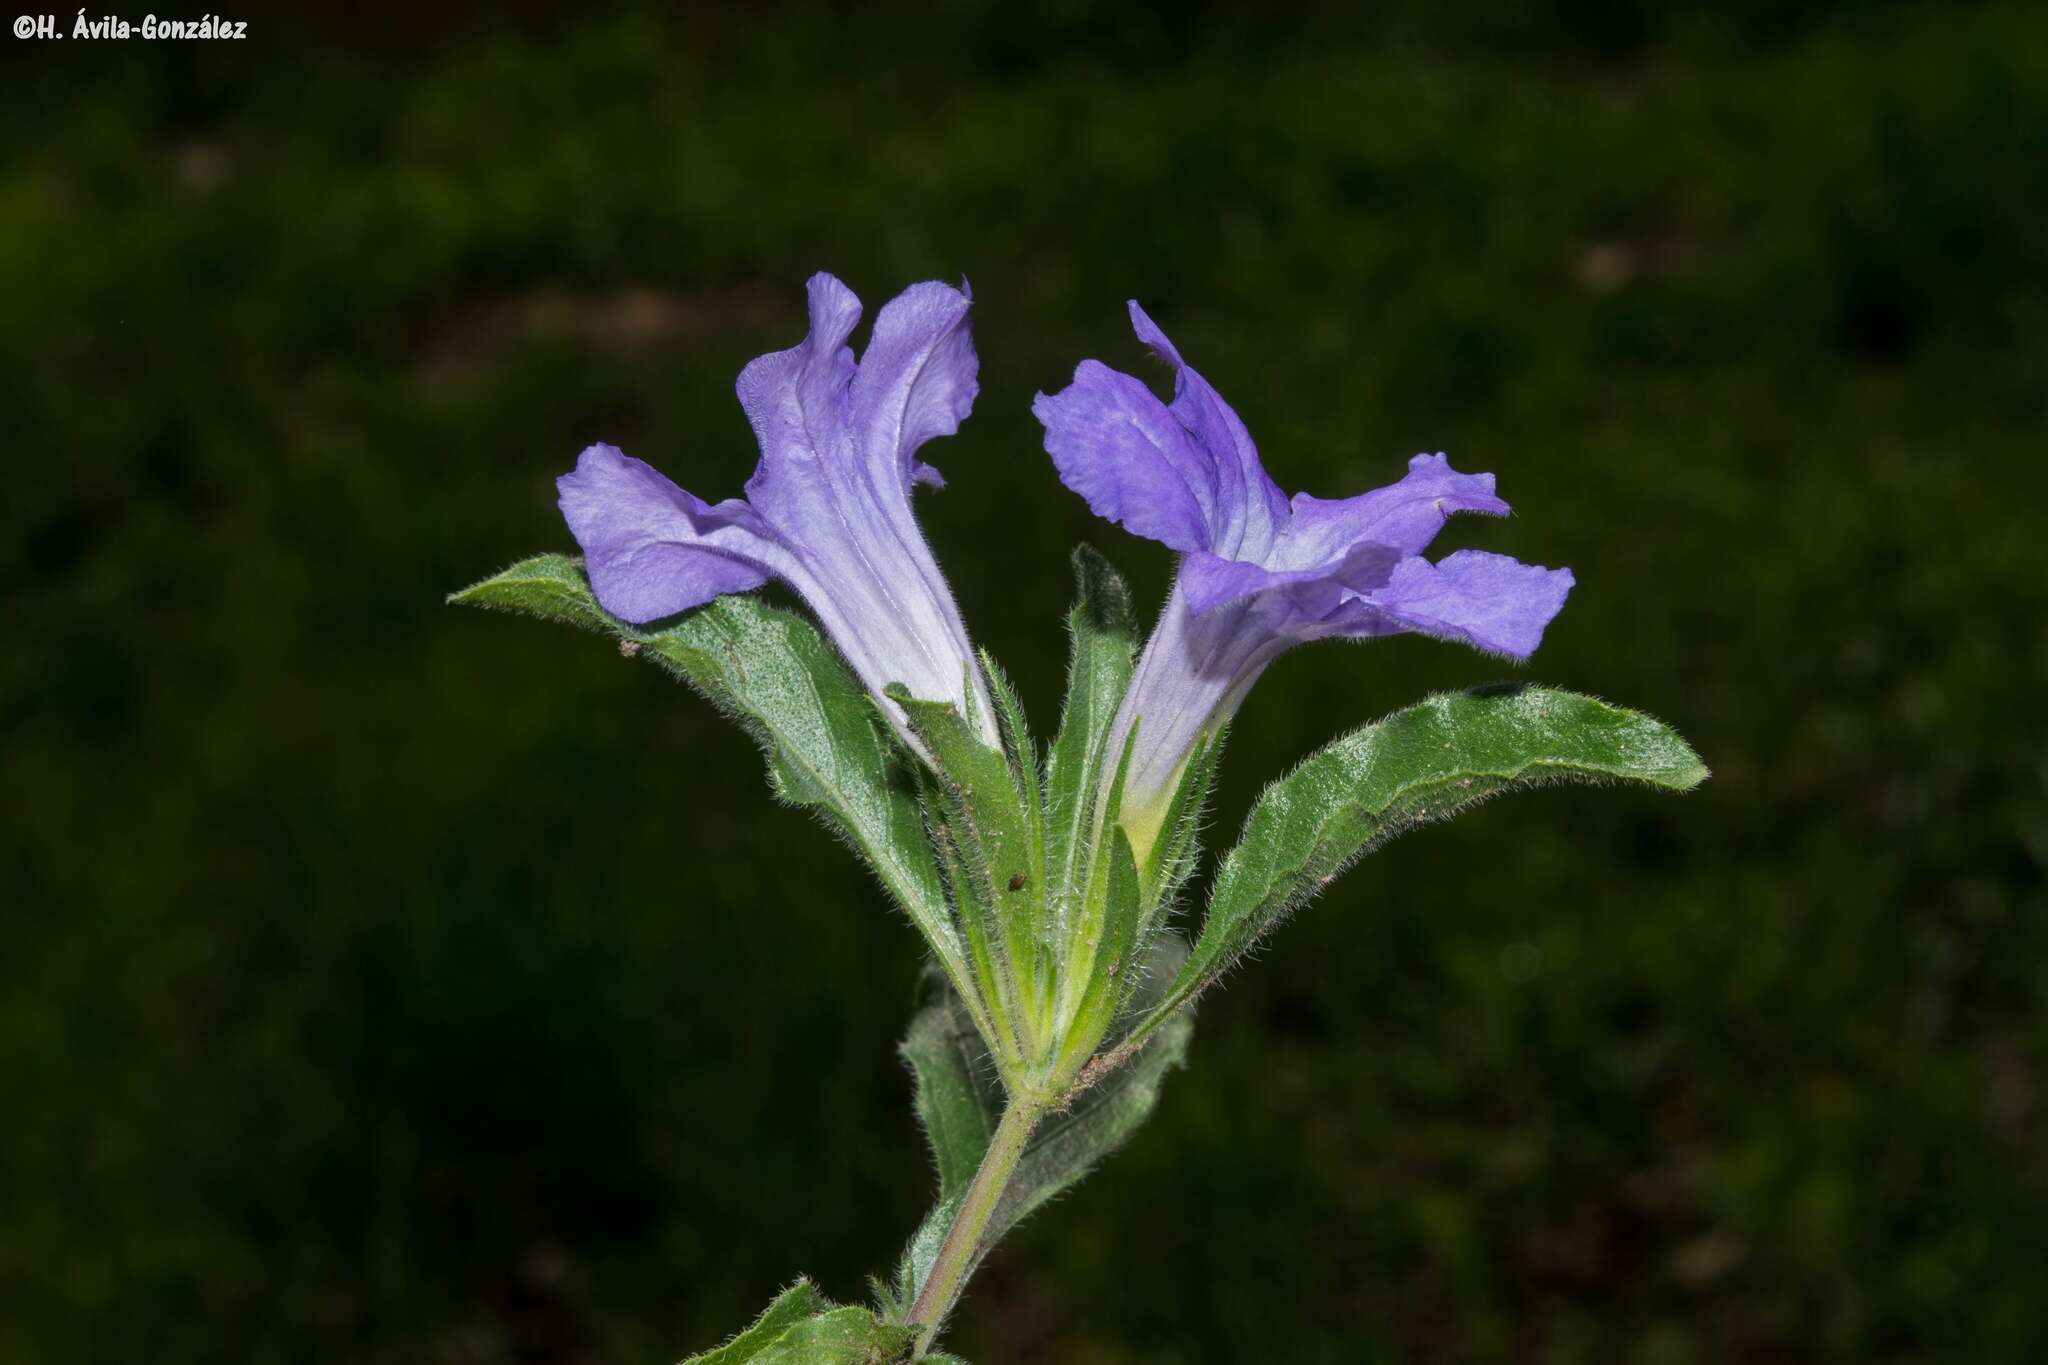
(1259, 574)
(1492, 602)
(917, 380)
(651, 549)
(796, 399)
(1211, 581)
(808, 485)
(827, 508)
(1247, 509)
(837, 463)
(1404, 516)
(1116, 445)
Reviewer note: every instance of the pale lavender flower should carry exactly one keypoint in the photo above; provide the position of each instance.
(827, 510)
(1260, 573)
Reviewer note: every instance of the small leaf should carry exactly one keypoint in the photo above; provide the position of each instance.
(1425, 763)
(994, 834)
(796, 1303)
(957, 1094)
(1112, 977)
(844, 1336)
(1103, 631)
(923, 1250)
(1017, 741)
(959, 1102)
(1177, 849)
(803, 1327)
(777, 676)
(1023, 888)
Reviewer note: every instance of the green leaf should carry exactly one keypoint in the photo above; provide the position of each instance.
(1102, 1110)
(772, 671)
(957, 1095)
(1107, 977)
(1177, 849)
(1103, 634)
(796, 1303)
(1425, 763)
(803, 1327)
(1016, 733)
(1024, 902)
(959, 1099)
(997, 883)
(844, 1336)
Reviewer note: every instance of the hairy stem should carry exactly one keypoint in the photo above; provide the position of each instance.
(958, 1253)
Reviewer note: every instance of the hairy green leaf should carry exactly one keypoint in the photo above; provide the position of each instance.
(1176, 850)
(1425, 763)
(959, 1099)
(793, 1305)
(958, 1096)
(1109, 975)
(771, 671)
(992, 826)
(1019, 747)
(844, 1336)
(1103, 634)
(803, 1327)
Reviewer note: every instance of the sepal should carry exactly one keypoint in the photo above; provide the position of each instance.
(985, 818)
(1103, 641)
(1173, 855)
(1109, 973)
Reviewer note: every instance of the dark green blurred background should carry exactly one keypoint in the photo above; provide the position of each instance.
(388, 983)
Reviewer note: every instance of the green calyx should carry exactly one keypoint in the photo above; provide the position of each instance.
(1052, 903)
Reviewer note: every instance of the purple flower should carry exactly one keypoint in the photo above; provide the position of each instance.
(1259, 572)
(827, 510)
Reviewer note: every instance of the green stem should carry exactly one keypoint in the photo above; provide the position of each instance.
(958, 1253)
